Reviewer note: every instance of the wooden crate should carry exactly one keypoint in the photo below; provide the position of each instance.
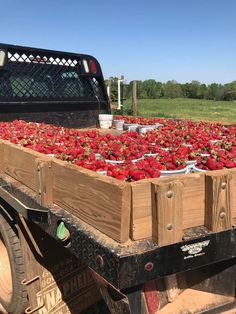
(175, 203)
(101, 201)
(154, 208)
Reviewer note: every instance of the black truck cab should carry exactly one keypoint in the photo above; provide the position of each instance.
(51, 86)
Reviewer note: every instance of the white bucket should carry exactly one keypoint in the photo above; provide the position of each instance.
(130, 127)
(158, 125)
(103, 172)
(105, 121)
(144, 128)
(118, 124)
(134, 161)
(98, 156)
(195, 169)
(173, 172)
(114, 162)
(150, 155)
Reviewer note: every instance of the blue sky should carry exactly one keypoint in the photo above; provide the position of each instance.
(142, 39)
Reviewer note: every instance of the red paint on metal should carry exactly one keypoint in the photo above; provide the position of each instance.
(151, 297)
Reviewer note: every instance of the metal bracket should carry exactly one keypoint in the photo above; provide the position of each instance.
(33, 214)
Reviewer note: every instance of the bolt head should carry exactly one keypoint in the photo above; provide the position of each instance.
(169, 194)
(223, 185)
(149, 266)
(169, 227)
(222, 215)
(99, 261)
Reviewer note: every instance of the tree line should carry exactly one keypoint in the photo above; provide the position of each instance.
(152, 89)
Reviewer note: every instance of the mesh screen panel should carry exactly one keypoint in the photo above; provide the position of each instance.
(34, 77)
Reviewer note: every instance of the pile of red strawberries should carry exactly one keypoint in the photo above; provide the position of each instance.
(131, 156)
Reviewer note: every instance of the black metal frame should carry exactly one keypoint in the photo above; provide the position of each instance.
(60, 102)
(123, 266)
(44, 63)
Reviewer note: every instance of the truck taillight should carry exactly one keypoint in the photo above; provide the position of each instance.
(93, 66)
(85, 64)
(2, 57)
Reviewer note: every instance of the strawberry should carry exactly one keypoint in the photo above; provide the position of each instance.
(229, 164)
(211, 163)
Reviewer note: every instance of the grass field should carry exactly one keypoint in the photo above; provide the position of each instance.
(185, 108)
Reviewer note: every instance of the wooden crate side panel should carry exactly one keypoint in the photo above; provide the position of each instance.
(233, 194)
(193, 195)
(169, 212)
(193, 200)
(143, 199)
(44, 181)
(141, 217)
(1, 157)
(19, 163)
(218, 201)
(104, 203)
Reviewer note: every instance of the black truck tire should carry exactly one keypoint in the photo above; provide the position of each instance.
(13, 295)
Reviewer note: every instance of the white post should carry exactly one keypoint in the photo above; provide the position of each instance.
(119, 102)
(108, 91)
(120, 80)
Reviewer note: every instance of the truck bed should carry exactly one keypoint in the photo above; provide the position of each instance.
(133, 237)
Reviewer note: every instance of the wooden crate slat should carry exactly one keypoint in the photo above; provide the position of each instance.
(44, 181)
(169, 213)
(193, 195)
(141, 218)
(193, 198)
(1, 157)
(19, 163)
(105, 202)
(233, 194)
(218, 200)
(102, 202)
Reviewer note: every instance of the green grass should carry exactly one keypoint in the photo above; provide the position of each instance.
(185, 108)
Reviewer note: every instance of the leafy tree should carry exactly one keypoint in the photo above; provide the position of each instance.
(172, 89)
(152, 89)
(230, 91)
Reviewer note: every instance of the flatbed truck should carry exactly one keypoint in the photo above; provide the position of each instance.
(76, 242)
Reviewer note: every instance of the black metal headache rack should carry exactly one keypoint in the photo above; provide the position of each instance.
(30, 74)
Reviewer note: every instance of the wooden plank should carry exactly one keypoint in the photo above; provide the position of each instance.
(142, 203)
(141, 217)
(233, 194)
(19, 163)
(1, 157)
(102, 202)
(218, 200)
(193, 198)
(44, 182)
(169, 224)
(195, 301)
(169, 212)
